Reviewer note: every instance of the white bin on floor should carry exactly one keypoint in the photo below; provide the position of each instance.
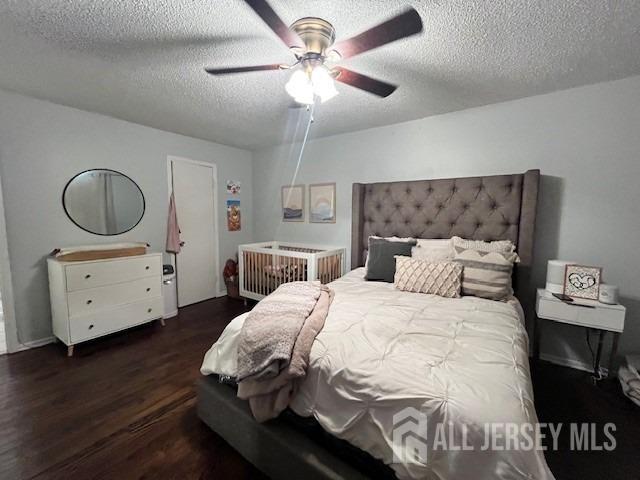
(170, 295)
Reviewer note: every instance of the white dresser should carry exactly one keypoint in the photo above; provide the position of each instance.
(90, 299)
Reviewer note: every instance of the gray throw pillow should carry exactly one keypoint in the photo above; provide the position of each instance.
(381, 264)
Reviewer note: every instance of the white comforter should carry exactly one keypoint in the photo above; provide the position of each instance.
(461, 363)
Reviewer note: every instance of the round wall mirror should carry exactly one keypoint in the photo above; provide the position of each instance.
(104, 202)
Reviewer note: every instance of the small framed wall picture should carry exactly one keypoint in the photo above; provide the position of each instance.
(233, 187)
(234, 219)
(293, 203)
(322, 203)
(581, 281)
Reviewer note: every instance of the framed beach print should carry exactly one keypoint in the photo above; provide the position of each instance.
(581, 281)
(322, 203)
(293, 203)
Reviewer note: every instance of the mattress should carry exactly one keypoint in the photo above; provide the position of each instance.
(461, 365)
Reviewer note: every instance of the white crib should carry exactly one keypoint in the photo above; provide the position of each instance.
(265, 266)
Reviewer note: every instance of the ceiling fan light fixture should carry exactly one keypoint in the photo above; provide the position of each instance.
(323, 84)
(305, 98)
(300, 88)
(311, 40)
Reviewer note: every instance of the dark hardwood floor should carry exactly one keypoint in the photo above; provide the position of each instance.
(564, 395)
(124, 408)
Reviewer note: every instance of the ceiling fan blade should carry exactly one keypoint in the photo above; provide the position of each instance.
(275, 23)
(399, 27)
(255, 68)
(364, 82)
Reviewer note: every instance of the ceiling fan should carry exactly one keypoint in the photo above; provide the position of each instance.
(311, 40)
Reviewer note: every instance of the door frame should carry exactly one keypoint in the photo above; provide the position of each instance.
(6, 287)
(216, 200)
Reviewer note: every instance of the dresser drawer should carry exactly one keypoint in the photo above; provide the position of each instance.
(98, 274)
(91, 300)
(101, 323)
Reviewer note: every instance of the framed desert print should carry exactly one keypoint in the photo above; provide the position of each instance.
(293, 203)
(322, 203)
(581, 281)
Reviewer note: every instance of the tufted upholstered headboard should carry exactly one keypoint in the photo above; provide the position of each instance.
(488, 208)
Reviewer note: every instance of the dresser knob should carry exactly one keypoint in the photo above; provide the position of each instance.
(149, 310)
(148, 289)
(89, 302)
(90, 326)
(147, 267)
(87, 276)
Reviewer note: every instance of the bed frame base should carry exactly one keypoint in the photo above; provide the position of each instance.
(275, 448)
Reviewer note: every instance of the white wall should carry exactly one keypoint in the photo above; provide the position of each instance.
(586, 141)
(43, 145)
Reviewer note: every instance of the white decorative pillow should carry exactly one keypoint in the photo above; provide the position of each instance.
(487, 274)
(413, 275)
(433, 250)
(504, 246)
(428, 249)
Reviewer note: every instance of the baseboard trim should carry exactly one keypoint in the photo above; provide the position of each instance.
(35, 344)
(571, 363)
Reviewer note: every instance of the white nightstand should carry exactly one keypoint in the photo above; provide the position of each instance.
(583, 313)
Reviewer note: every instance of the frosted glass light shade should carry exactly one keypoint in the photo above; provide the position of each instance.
(300, 88)
(323, 84)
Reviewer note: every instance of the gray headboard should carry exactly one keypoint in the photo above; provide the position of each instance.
(488, 208)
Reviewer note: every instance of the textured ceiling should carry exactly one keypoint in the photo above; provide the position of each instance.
(142, 60)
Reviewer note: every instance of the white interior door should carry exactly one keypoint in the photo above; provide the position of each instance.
(196, 264)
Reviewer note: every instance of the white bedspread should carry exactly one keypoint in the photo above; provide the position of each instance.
(462, 363)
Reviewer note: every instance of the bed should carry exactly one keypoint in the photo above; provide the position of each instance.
(383, 351)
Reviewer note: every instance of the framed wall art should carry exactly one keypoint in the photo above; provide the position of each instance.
(234, 219)
(322, 203)
(581, 281)
(293, 203)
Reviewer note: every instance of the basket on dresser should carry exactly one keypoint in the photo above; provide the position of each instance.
(93, 298)
(265, 266)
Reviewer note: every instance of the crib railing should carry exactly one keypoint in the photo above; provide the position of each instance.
(265, 266)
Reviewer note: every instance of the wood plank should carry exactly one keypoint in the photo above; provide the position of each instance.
(122, 407)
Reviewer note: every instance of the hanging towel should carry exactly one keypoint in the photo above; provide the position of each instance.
(173, 230)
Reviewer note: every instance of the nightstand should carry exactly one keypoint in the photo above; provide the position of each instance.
(582, 313)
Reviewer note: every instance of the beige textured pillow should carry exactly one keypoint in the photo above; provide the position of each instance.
(487, 274)
(413, 275)
(433, 250)
(503, 246)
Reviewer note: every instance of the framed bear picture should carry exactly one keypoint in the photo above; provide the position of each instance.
(581, 281)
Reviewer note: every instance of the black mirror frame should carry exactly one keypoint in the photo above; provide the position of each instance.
(64, 205)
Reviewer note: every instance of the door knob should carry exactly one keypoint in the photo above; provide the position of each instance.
(89, 302)
(87, 276)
